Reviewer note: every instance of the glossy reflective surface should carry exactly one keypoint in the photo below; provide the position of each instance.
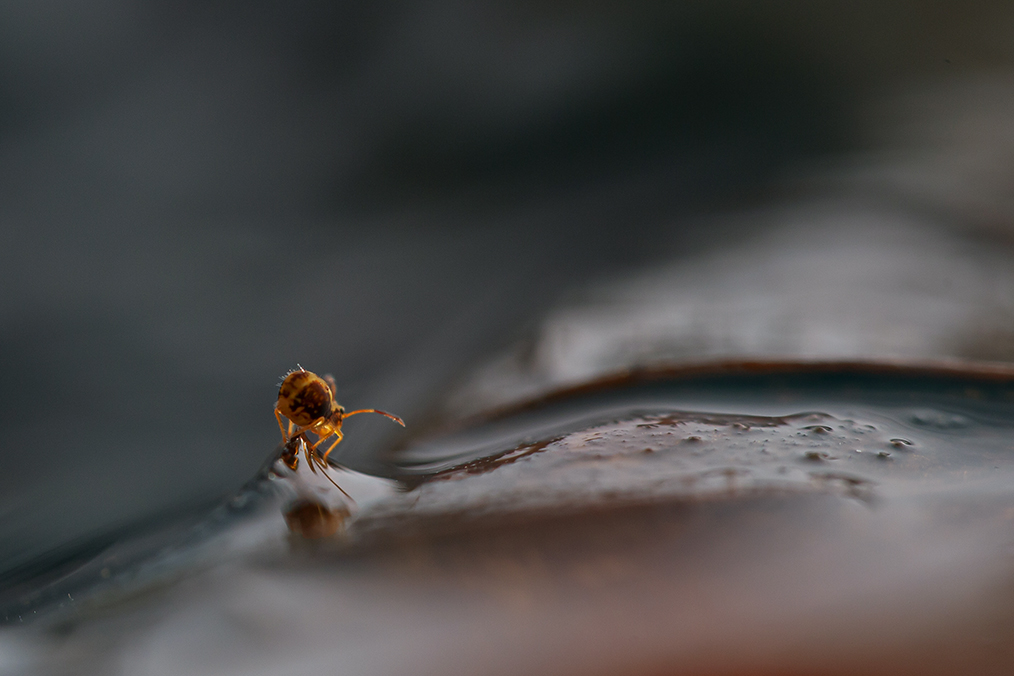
(815, 518)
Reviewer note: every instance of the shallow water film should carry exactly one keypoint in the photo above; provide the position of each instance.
(784, 519)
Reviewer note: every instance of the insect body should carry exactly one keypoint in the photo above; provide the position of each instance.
(307, 401)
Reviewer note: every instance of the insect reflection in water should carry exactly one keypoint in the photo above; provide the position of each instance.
(307, 401)
(313, 519)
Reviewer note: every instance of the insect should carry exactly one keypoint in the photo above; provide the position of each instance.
(307, 401)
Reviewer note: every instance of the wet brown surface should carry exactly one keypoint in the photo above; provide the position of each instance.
(651, 539)
(689, 542)
(825, 522)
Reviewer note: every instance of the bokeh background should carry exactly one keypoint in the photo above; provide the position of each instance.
(197, 196)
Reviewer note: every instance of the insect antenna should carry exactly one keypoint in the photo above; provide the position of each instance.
(373, 410)
(314, 461)
(310, 456)
(323, 470)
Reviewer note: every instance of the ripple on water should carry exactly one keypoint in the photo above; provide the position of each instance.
(684, 455)
(885, 439)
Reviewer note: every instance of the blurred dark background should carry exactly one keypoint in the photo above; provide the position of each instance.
(196, 196)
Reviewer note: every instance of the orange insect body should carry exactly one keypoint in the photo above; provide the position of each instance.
(307, 401)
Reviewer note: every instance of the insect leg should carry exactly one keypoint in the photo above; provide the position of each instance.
(278, 416)
(322, 439)
(338, 433)
(309, 458)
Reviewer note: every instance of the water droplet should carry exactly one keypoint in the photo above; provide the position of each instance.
(899, 442)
